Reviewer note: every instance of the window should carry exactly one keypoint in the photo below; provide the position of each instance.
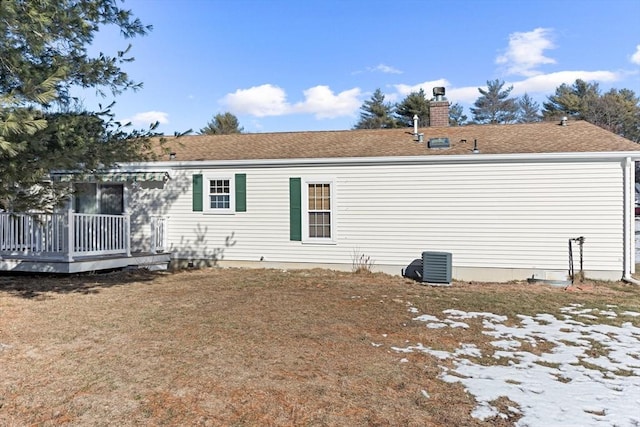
(93, 198)
(111, 199)
(219, 194)
(319, 211)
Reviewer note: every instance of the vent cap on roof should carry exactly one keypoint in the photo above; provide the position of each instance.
(438, 143)
(438, 93)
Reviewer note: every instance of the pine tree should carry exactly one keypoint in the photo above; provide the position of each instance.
(617, 110)
(414, 104)
(456, 115)
(44, 54)
(494, 105)
(376, 114)
(528, 110)
(571, 101)
(222, 124)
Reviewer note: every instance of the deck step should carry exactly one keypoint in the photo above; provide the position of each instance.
(152, 266)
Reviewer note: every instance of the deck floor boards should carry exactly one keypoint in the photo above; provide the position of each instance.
(82, 264)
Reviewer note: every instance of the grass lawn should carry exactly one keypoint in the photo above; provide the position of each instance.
(241, 347)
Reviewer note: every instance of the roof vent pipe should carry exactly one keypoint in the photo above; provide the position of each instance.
(475, 147)
(415, 124)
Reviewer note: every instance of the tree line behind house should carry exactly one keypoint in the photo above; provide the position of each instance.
(616, 110)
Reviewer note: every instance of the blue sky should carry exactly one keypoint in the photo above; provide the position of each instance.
(295, 65)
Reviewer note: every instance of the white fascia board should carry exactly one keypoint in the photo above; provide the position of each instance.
(124, 167)
(350, 161)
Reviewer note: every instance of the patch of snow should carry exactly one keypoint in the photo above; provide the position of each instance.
(454, 324)
(468, 350)
(566, 385)
(420, 348)
(608, 313)
(631, 313)
(426, 318)
(589, 316)
(436, 325)
(484, 411)
(506, 344)
(458, 314)
(425, 394)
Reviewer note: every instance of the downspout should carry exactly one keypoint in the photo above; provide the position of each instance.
(629, 221)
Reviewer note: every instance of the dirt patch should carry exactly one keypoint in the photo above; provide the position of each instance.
(244, 347)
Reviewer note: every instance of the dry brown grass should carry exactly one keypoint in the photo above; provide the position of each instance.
(245, 347)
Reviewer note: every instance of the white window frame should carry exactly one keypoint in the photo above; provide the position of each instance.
(305, 210)
(206, 202)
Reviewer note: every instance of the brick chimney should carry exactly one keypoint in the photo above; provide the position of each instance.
(438, 108)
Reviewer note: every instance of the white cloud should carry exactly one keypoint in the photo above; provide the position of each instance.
(526, 52)
(635, 58)
(269, 100)
(148, 117)
(427, 86)
(259, 101)
(381, 68)
(463, 95)
(549, 82)
(387, 69)
(324, 104)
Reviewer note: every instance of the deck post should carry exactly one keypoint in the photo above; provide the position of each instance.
(154, 233)
(127, 233)
(70, 235)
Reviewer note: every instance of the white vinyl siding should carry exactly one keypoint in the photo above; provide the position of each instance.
(513, 215)
(500, 216)
(146, 200)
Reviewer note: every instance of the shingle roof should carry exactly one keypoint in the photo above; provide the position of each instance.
(544, 137)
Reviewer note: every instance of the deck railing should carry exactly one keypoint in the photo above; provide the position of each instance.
(26, 234)
(98, 234)
(66, 235)
(158, 234)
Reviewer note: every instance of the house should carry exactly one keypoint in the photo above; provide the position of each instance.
(504, 200)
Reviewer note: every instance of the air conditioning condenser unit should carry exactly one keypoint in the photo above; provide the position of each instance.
(436, 267)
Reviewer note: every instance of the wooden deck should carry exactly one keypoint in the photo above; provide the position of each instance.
(86, 264)
(69, 242)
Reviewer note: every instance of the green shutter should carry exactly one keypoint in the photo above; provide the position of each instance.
(241, 192)
(295, 209)
(197, 193)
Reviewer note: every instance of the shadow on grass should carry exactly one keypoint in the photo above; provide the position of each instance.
(37, 286)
